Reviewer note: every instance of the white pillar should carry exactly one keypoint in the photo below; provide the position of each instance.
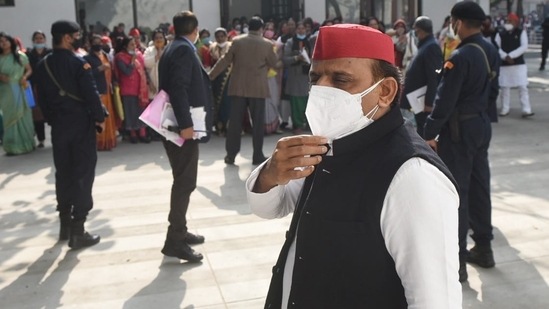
(208, 13)
(315, 9)
(50, 11)
(437, 10)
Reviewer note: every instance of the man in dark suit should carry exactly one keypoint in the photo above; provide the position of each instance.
(182, 76)
(544, 43)
(423, 70)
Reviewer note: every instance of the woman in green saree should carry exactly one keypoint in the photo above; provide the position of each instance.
(17, 117)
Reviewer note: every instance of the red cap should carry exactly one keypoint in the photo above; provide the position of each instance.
(134, 32)
(353, 41)
(513, 16)
(105, 39)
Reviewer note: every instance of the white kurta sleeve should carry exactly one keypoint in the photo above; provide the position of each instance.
(277, 202)
(501, 53)
(419, 223)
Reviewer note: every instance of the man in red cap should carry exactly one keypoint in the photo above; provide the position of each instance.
(513, 43)
(357, 238)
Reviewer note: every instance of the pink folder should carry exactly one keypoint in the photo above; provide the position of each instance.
(152, 115)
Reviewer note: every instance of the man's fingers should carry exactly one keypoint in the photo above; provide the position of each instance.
(298, 140)
(301, 173)
(302, 151)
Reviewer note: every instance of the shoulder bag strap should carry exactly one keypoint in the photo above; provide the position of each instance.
(491, 74)
(62, 92)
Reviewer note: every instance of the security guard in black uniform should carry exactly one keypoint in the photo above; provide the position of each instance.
(71, 105)
(459, 128)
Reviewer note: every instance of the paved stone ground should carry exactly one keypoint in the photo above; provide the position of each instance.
(127, 270)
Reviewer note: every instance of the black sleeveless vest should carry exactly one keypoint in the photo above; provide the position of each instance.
(509, 42)
(341, 258)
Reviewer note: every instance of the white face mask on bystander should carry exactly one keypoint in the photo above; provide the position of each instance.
(335, 113)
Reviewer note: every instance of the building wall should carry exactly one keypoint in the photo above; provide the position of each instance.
(150, 14)
(27, 16)
(437, 10)
(245, 8)
(208, 13)
(315, 10)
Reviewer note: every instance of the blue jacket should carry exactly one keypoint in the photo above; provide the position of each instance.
(423, 71)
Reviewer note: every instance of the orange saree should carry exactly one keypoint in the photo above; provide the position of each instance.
(106, 140)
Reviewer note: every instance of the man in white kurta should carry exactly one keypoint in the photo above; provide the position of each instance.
(513, 43)
(418, 219)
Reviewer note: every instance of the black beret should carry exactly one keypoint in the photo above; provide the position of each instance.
(64, 27)
(468, 10)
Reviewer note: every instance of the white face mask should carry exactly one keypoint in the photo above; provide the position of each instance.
(508, 27)
(335, 113)
(452, 34)
(222, 45)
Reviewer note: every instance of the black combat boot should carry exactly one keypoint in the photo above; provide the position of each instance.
(80, 238)
(176, 246)
(463, 276)
(65, 226)
(481, 255)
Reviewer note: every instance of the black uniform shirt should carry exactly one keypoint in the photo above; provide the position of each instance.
(74, 75)
(465, 85)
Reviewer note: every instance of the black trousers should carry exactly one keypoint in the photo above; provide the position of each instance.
(40, 130)
(75, 158)
(420, 122)
(234, 130)
(467, 160)
(544, 49)
(184, 163)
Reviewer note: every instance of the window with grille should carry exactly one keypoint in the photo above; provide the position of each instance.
(7, 2)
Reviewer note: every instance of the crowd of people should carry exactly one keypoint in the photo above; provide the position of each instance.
(125, 68)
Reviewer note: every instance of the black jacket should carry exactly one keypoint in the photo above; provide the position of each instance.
(184, 79)
(423, 71)
(466, 86)
(74, 75)
(341, 257)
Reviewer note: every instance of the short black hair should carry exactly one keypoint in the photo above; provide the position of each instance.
(255, 23)
(472, 23)
(185, 23)
(382, 69)
(95, 37)
(57, 39)
(38, 32)
(122, 43)
(162, 32)
(204, 31)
